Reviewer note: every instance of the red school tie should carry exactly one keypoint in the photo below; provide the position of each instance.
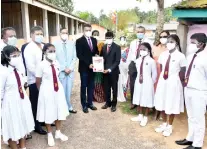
(137, 51)
(55, 82)
(141, 71)
(189, 68)
(166, 72)
(90, 44)
(19, 84)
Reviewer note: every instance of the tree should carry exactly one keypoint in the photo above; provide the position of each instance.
(106, 22)
(66, 5)
(87, 16)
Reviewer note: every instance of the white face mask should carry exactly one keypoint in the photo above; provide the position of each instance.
(39, 38)
(192, 48)
(88, 34)
(97, 37)
(143, 53)
(163, 40)
(12, 41)
(64, 37)
(109, 41)
(171, 46)
(15, 61)
(51, 56)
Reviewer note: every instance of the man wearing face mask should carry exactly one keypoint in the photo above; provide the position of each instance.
(33, 56)
(8, 37)
(66, 56)
(196, 92)
(111, 53)
(86, 48)
(132, 56)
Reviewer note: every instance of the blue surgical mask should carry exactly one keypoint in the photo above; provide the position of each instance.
(140, 35)
(39, 38)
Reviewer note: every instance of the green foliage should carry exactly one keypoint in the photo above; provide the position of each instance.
(66, 5)
(106, 21)
(87, 16)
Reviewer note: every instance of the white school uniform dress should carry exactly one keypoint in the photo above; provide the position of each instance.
(17, 117)
(144, 93)
(196, 98)
(52, 105)
(169, 92)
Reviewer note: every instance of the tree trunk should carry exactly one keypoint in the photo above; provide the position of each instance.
(160, 20)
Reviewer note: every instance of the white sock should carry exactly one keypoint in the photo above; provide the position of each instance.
(165, 124)
(49, 134)
(57, 131)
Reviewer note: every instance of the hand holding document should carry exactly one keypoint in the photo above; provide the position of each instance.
(98, 64)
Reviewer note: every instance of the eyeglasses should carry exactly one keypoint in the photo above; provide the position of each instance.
(163, 36)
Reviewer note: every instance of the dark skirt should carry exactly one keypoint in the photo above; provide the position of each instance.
(98, 91)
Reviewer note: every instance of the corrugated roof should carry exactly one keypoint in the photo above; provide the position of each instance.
(192, 4)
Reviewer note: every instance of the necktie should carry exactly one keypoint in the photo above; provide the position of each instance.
(137, 52)
(55, 82)
(166, 72)
(90, 44)
(19, 84)
(108, 49)
(141, 71)
(189, 69)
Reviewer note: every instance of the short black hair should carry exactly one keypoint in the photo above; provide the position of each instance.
(142, 27)
(36, 28)
(95, 31)
(5, 54)
(109, 34)
(86, 25)
(63, 29)
(200, 37)
(3, 31)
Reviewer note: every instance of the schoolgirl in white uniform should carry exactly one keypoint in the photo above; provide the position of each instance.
(169, 93)
(52, 106)
(16, 112)
(144, 84)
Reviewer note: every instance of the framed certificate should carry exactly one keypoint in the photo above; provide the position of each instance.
(98, 64)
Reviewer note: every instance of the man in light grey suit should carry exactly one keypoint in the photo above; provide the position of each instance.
(66, 56)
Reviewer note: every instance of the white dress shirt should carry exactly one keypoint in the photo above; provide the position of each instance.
(33, 56)
(198, 74)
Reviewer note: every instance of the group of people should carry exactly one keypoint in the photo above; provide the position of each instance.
(158, 76)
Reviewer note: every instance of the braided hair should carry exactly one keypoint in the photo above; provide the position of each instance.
(5, 54)
(45, 48)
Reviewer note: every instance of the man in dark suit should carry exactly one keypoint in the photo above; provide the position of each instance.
(86, 48)
(112, 54)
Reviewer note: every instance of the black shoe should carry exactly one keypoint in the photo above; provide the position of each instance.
(41, 131)
(43, 124)
(92, 107)
(28, 137)
(183, 142)
(73, 111)
(133, 107)
(85, 110)
(113, 109)
(191, 147)
(105, 106)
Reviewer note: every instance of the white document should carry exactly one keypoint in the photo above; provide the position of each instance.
(98, 64)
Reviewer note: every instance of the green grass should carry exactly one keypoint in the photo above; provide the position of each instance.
(125, 108)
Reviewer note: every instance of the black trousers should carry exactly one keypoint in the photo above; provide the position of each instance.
(33, 95)
(132, 78)
(111, 82)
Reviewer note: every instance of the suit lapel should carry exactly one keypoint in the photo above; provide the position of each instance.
(110, 49)
(86, 42)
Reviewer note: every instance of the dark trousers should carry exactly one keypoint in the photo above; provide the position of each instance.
(87, 83)
(111, 82)
(132, 78)
(33, 95)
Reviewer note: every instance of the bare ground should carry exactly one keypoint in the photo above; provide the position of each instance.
(102, 129)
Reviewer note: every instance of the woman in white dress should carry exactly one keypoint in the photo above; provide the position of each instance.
(16, 112)
(144, 84)
(169, 93)
(123, 76)
(52, 106)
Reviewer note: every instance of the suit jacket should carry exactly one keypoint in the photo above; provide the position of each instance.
(112, 58)
(85, 54)
(66, 58)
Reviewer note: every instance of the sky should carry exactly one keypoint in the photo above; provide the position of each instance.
(95, 6)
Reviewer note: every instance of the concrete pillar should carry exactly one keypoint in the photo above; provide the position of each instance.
(182, 32)
(25, 21)
(77, 31)
(45, 25)
(81, 27)
(72, 27)
(57, 24)
(66, 22)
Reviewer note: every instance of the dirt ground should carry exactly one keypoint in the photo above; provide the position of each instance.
(102, 129)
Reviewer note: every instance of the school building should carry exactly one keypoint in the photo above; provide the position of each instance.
(24, 14)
